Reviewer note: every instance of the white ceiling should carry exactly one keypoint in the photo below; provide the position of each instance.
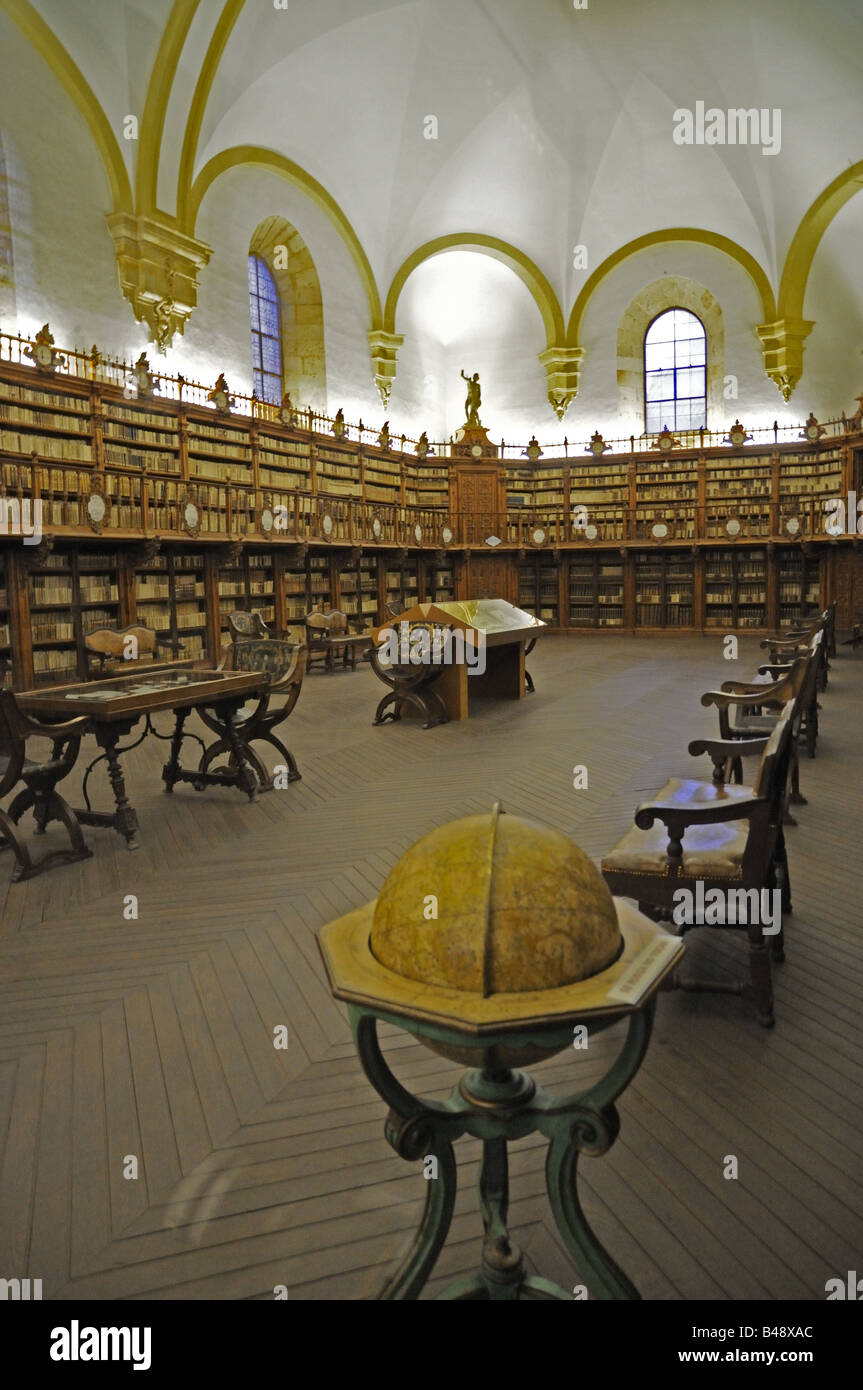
(554, 124)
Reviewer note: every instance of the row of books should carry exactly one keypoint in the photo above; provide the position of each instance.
(97, 591)
(29, 415)
(77, 450)
(14, 391)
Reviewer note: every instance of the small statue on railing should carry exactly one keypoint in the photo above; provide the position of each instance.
(287, 413)
(339, 426)
(384, 436)
(221, 397)
(423, 448)
(144, 379)
(473, 400)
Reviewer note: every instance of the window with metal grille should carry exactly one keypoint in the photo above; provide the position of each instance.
(266, 332)
(675, 372)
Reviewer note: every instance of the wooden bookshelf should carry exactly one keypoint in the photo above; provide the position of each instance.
(539, 588)
(596, 590)
(664, 589)
(735, 588)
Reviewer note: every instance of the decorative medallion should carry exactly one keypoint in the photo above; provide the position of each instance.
(446, 535)
(537, 536)
(659, 530)
(190, 516)
(792, 526)
(812, 430)
(418, 534)
(737, 435)
(732, 526)
(98, 503)
(377, 528)
(476, 451)
(533, 451)
(492, 540)
(597, 445)
(665, 441)
(327, 524)
(221, 397)
(267, 520)
(591, 532)
(42, 353)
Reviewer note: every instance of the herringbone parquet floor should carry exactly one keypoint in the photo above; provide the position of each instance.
(151, 1039)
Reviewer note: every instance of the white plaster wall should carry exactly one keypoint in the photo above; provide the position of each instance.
(59, 195)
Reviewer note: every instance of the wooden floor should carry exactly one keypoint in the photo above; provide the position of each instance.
(153, 1037)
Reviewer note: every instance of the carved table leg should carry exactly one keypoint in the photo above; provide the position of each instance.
(171, 770)
(125, 817)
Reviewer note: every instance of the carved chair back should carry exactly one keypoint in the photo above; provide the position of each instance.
(245, 627)
(107, 646)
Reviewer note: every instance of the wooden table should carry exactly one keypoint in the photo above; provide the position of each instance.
(113, 707)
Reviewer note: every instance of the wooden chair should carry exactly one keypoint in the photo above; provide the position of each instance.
(106, 648)
(285, 664)
(40, 786)
(246, 627)
(785, 646)
(318, 640)
(757, 705)
(722, 836)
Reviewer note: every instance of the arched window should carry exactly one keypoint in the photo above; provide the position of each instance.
(675, 371)
(266, 332)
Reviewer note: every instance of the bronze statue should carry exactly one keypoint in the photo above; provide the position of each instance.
(474, 397)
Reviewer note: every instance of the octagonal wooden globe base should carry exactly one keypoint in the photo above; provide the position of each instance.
(495, 1101)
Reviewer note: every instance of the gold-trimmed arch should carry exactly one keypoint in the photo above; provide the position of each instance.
(527, 271)
(70, 77)
(201, 95)
(813, 225)
(718, 242)
(156, 103)
(259, 157)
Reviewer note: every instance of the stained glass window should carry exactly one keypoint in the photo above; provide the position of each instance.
(266, 334)
(675, 372)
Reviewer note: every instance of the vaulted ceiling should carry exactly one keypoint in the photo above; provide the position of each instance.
(554, 124)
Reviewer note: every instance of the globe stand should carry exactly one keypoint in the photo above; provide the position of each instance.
(497, 1105)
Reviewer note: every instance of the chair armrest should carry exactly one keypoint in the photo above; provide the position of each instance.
(70, 728)
(744, 693)
(774, 668)
(710, 813)
(728, 747)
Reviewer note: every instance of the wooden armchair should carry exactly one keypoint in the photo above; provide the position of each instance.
(785, 646)
(106, 649)
(40, 785)
(328, 636)
(285, 664)
(756, 705)
(246, 627)
(721, 836)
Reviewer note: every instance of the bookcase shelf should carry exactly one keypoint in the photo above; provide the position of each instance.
(735, 588)
(595, 591)
(798, 586)
(538, 588)
(402, 582)
(664, 589)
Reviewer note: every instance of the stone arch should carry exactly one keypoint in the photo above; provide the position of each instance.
(669, 292)
(304, 373)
